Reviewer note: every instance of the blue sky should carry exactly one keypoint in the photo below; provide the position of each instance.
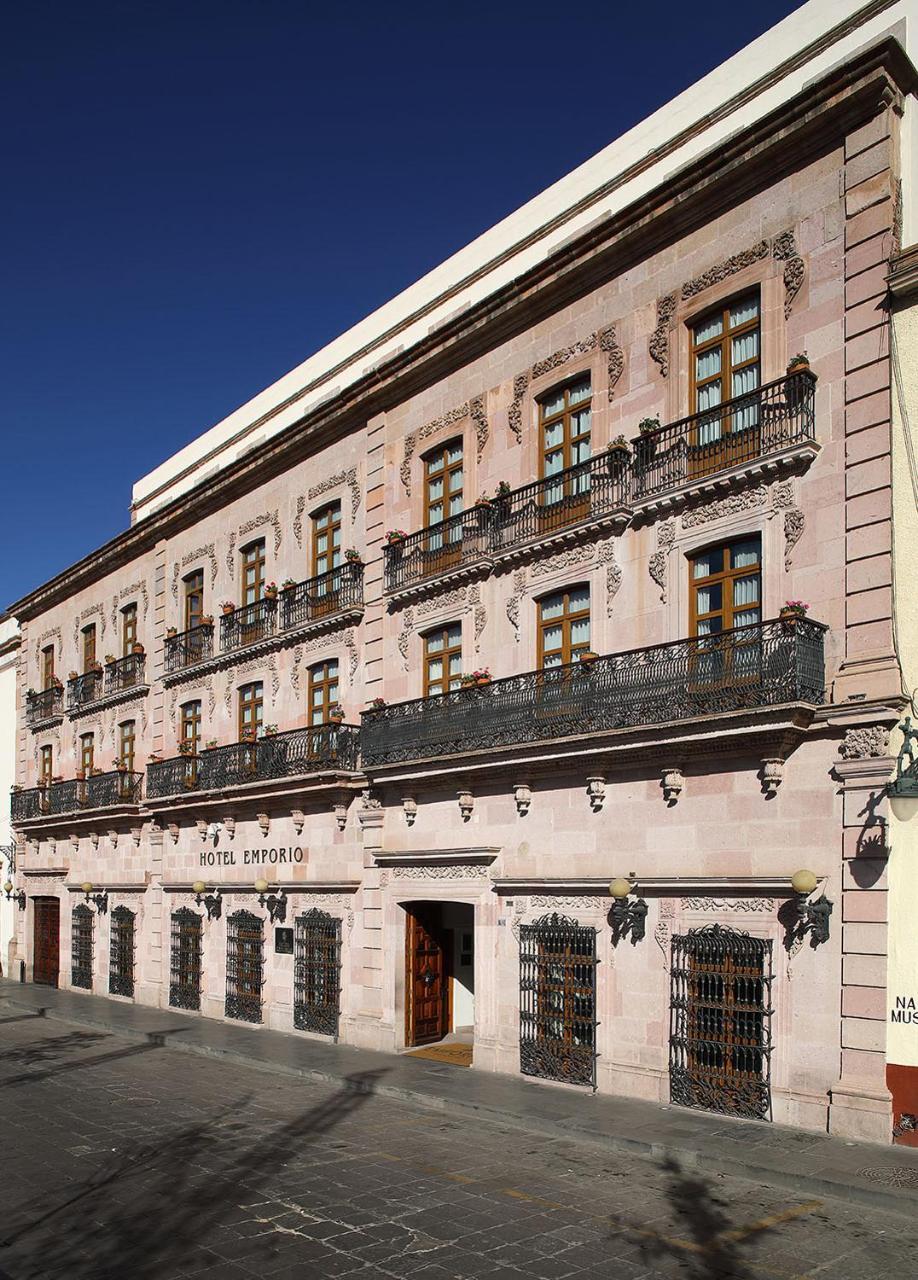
(200, 194)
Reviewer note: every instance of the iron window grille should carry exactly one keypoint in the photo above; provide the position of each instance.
(81, 933)
(720, 1022)
(317, 973)
(121, 953)
(759, 665)
(185, 960)
(558, 1000)
(244, 966)
(188, 647)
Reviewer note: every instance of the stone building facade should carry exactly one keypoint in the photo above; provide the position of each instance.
(587, 462)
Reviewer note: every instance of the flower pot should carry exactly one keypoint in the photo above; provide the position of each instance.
(137, 648)
(483, 681)
(171, 633)
(227, 610)
(587, 659)
(789, 618)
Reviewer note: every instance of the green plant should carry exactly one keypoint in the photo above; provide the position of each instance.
(646, 425)
(799, 359)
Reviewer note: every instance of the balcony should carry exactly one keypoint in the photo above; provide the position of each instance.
(189, 647)
(330, 594)
(125, 673)
(98, 791)
(769, 664)
(48, 704)
(248, 624)
(81, 690)
(281, 755)
(776, 421)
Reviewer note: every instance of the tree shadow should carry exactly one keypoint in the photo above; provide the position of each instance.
(22, 1017)
(46, 1050)
(150, 1211)
(716, 1247)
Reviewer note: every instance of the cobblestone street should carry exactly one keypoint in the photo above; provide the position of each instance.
(130, 1160)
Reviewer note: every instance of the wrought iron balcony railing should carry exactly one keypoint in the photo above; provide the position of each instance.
(322, 597)
(98, 791)
(188, 647)
(248, 624)
(749, 667)
(125, 673)
(280, 755)
(774, 417)
(83, 689)
(45, 704)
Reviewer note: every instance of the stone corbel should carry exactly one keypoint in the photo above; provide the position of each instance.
(596, 791)
(264, 823)
(339, 808)
(94, 839)
(113, 838)
(410, 807)
(672, 782)
(136, 834)
(772, 774)
(299, 820)
(522, 794)
(173, 828)
(230, 826)
(74, 840)
(370, 813)
(201, 824)
(466, 803)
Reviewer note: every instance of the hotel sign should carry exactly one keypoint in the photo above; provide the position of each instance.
(250, 857)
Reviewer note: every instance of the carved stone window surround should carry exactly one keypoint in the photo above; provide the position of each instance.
(592, 362)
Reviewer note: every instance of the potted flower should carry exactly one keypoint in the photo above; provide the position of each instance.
(80, 775)
(154, 757)
(171, 633)
(227, 606)
(120, 766)
(137, 647)
(56, 778)
(110, 659)
(376, 704)
(482, 677)
(73, 675)
(800, 363)
(270, 590)
(618, 451)
(95, 771)
(55, 683)
(645, 446)
(16, 788)
(94, 667)
(791, 612)
(336, 714)
(395, 537)
(270, 730)
(249, 734)
(353, 556)
(210, 744)
(186, 747)
(467, 680)
(797, 387)
(207, 620)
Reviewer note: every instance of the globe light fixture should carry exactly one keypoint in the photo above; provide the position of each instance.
(628, 915)
(812, 917)
(212, 901)
(275, 902)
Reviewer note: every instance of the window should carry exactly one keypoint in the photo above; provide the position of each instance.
(89, 646)
(317, 973)
(443, 483)
(46, 764)
(565, 422)
(128, 629)
(244, 963)
(126, 742)
(725, 585)
(87, 752)
(725, 364)
(251, 706)
(47, 666)
(194, 599)
(81, 930)
(190, 724)
(253, 572)
(442, 659)
(185, 960)
(558, 1000)
(564, 626)
(121, 953)
(326, 539)
(323, 690)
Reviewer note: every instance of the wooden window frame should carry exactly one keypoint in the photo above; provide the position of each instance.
(725, 578)
(253, 555)
(324, 682)
(47, 666)
(193, 590)
(564, 416)
(128, 629)
(88, 643)
(566, 619)
(129, 741)
(190, 719)
(326, 521)
(445, 470)
(245, 698)
(87, 752)
(45, 763)
(723, 340)
(444, 655)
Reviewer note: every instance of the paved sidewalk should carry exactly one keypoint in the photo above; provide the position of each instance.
(885, 1177)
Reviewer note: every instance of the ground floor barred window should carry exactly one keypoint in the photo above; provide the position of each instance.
(558, 1000)
(317, 973)
(720, 1022)
(185, 960)
(244, 964)
(81, 946)
(121, 953)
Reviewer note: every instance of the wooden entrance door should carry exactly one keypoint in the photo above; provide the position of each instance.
(427, 987)
(46, 941)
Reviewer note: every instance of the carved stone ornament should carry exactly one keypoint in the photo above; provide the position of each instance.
(455, 871)
(672, 781)
(74, 841)
(339, 809)
(763, 906)
(522, 794)
(230, 827)
(410, 809)
(188, 559)
(659, 339)
(298, 817)
(348, 477)
(794, 521)
(606, 556)
(480, 423)
(264, 823)
(404, 636)
(370, 800)
(515, 413)
(784, 249)
(869, 741)
(112, 839)
(772, 774)
(567, 902)
(596, 791)
(514, 601)
(94, 839)
(466, 803)
(751, 499)
(174, 830)
(656, 566)
(723, 270)
(136, 835)
(201, 824)
(413, 438)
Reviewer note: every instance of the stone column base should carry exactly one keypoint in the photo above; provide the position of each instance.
(861, 1113)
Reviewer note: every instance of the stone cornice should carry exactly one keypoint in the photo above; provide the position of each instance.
(687, 885)
(903, 274)
(289, 886)
(788, 137)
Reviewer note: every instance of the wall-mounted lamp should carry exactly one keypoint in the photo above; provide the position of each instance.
(813, 917)
(100, 899)
(629, 915)
(275, 902)
(212, 901)
(18, 897)
(903, 790)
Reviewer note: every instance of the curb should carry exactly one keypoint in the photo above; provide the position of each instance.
(901, 1202)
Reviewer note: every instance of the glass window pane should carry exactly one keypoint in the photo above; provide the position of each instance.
(708, 599)
(747, 618)
(708, 329)
(745, 380)
(708, 562)
(435, 669)
(553, 404)
(554, 463)
(435, 489)
(709, 626)
(552, 607)
(435, 643)
(554, 435)
(455, 664)
(707, 364)
(746, 590)
(551, 660)
(551, 638)
(455, 481)
(743, 310)
(579, 599)
(579, 390)
(580, 631)
(745, 346)
(580, 422)
(745, 553)
(454, 633)
(454, 452)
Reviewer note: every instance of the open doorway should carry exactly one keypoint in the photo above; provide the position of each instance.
(440, 978)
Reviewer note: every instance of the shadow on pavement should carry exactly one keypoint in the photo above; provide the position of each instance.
(149, 1212)
(46, 1050)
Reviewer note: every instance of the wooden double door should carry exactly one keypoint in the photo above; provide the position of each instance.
(46, 941)
(428, 953)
